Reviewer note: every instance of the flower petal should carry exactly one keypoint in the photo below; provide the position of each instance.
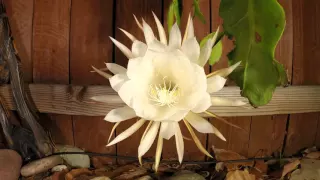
(120, 114)
(117, 81)
(189, 33)
(128, 132)
(107, 99)
(130, 36)
(138, 23)
(158, 153)
(122, 48)
(205, 51)
(125, 93)
(196, 140)
(203, 104)
(202, 125)
(138, 48)
(175, 37)
(133, 67)
(167, 130)
(219, 101)
(162, 33)
(112, 130)
(226, 71)
(215, 83)
(179, 142)
(146, 130)
(115, 68)
(148, 33)
(191, 49)
(148, 139)
(101, 73)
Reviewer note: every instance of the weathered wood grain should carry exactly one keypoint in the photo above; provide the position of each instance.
(91, 26)
(124, 19)
(201, 30)
(302, 131)
(268, 132)
(51, 26)
(71, 100)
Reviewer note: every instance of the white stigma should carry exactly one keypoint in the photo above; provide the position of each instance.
(164, 95)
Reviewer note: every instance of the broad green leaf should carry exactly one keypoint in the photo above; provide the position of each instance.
(197, 12)
(175, 11)
(215, 53)
(209, 36)
(257, 26)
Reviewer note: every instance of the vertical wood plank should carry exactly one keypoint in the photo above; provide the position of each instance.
(237, 140)
(302, 129)
(51, 26)
(125, 20)
(201, 30)
(91, 26)
(20, 14)
(268, 132)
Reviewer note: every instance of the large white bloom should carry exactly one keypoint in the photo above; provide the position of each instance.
(164, 83)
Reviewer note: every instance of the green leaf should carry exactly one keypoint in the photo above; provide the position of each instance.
(216, 53)
(283, 80)
(197, 11)
(175, 11)
(257, 26)
(209, 36)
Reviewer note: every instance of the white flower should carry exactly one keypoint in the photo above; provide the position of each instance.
(164, 83)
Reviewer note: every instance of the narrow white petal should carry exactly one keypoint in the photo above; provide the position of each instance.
(179, 143)
(189, 33)
(138, 23)
(148, 139)
(117, 81)
(162, 33)
(167, 129)
(191, 48)
(116, 68)
(218, 133)
(158, 153)
(120, 114)
(175, 37)
(128, 132)
(148, 33)
(107, 99)
(101, 73)
(219, 101)
(199, 123)
(112, 130)
(215, 83)
(203, 104)
(130, 36)
(205, 51)
(226, 71)
(122, 48)
(146, 130)
(138, 48)
(125, 93)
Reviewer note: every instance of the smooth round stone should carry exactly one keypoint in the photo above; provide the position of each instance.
(10, 164)
(40, 165)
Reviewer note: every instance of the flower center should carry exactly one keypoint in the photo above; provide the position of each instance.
(164, 94)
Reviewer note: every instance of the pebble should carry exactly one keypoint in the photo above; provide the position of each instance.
(186, 175)
(10, 164)
(59, 168)
(145, 178)
(40, 165)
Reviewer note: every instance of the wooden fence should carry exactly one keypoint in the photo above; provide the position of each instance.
(59, 40)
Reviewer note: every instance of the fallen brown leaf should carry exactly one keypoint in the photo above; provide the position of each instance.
(77, 172)
(225, 155)
(290, 167)
(313, 155)
(240, 175)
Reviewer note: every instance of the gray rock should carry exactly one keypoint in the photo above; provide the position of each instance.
(40, 165)
(10, 164)
(186, 175)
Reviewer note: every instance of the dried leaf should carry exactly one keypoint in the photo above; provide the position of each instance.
(101, 178)
(225, 155)
(290, 167)
(240, 175)
(74, 160)
(77, 172)
(310, 170)
(313, 155)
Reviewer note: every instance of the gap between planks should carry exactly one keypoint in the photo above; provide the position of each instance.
(75, 100)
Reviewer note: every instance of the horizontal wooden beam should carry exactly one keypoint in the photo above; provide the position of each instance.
(75, 100)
